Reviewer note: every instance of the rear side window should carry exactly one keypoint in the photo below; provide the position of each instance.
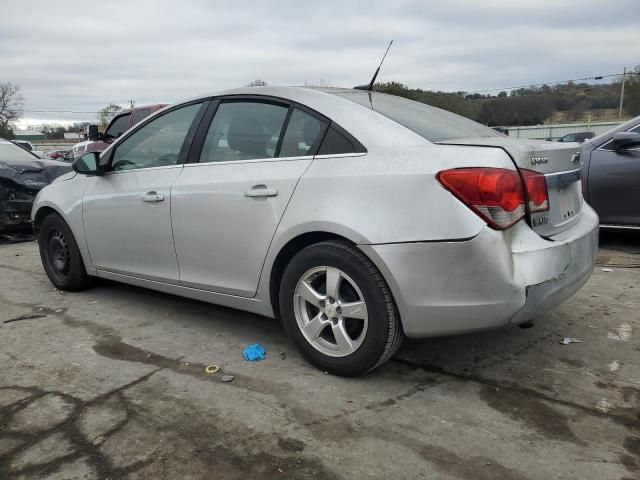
(429, 122)
(118, 126)
(303, 135)
(337, 141)
(243, 131)
(139, 114)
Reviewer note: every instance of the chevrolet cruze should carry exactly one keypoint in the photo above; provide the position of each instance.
(356, 217)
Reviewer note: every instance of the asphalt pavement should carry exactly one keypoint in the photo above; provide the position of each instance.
(112, 383)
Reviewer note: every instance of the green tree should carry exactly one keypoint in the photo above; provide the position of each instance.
(632, 92)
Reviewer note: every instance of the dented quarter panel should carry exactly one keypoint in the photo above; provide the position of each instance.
(491, 280)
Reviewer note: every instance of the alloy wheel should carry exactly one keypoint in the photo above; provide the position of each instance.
(330, 311)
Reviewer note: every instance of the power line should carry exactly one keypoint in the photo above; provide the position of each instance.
(595, 77)
(556, 82)
(54, 111)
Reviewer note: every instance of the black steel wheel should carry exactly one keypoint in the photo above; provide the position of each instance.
(60, 255)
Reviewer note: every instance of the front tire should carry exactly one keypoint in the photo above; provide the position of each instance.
(338, 309)
(60, 255)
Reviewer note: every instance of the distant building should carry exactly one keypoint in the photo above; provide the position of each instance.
(29, 135)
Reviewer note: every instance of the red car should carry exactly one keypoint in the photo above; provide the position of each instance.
(122, 122)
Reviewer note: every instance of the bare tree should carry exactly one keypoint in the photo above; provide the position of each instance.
(257, 83)
(11, 101)
(107, 113)
(322, 83)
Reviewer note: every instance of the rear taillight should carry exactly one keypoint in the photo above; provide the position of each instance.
(536, 185)
(495, 194)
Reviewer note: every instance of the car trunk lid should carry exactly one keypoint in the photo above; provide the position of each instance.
(558, 162)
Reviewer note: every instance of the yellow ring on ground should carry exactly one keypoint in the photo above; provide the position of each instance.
(212, 369)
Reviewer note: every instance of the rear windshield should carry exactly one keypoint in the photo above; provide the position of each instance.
(9, 151)
(432, 123)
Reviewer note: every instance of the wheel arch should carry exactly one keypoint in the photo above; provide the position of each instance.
(288, 251)
(294, 245)
(73, 218)
(40, 215)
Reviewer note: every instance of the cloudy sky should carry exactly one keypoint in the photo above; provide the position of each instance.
(81, 55)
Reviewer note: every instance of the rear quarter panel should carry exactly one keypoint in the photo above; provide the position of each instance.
(388, 195)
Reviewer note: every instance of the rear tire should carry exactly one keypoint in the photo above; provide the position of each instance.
(60, 255)
(338, 309)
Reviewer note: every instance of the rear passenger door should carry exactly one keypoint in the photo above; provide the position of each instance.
(243, 167)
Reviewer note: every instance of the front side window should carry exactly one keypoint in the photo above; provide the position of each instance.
(118, 126)
(303, 135)
(243, 131)
(608, 146)
(158, 143)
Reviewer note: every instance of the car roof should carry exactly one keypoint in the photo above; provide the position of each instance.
(363, 123)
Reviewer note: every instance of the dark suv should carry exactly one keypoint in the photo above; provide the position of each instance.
(577, 137)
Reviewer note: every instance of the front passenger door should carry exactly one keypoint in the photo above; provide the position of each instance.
(127, 211)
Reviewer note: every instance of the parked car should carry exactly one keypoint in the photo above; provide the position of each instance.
(22, 175)
(577, 137)
(97, 142)
(611, 175)
(59, 154)
(356, 217)
(29, 147)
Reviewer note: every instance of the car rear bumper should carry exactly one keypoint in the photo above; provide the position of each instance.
(494, 279)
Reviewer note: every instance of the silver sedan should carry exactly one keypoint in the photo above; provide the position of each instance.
(357, 218)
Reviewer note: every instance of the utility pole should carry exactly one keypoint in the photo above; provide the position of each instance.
(132, 103)
(624, 75)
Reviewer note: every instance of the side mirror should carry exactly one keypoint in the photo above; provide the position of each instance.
(92, 133)
(88, 164)
(625, 140)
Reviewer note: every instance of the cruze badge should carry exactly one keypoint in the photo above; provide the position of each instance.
(539, 160)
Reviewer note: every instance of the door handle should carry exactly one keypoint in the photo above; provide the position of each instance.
(261, 191)
(152, 197)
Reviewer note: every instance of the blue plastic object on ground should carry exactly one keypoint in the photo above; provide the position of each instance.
(254, 353)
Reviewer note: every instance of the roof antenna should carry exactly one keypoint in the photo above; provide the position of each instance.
(369, 87)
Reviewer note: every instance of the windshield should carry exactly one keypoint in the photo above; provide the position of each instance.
(118, 126)
(432, 123)
(10, 152)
